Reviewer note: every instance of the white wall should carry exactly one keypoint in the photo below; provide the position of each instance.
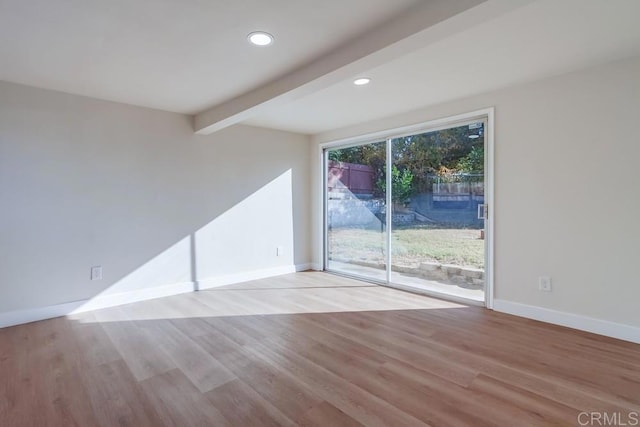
(567, 190)
(86, 182)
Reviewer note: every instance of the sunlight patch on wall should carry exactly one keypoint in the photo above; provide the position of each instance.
(255, 235)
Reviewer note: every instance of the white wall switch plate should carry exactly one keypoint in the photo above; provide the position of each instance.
(96, 273)
(544, 283)
(279, 251)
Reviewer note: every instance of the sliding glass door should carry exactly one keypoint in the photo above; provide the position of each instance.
(433, 185)
(355, 203)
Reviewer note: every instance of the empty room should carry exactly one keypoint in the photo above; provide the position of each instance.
(319, 213)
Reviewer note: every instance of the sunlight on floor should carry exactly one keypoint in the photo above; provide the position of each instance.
(289, 294)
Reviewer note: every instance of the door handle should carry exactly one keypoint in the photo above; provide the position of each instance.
(483, 211)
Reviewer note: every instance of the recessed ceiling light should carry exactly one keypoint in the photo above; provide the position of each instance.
(260, 38)
(362, 81)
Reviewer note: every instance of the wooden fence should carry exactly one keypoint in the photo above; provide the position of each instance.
(344, 177)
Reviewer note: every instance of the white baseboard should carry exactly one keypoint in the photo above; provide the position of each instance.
(316, 266)
(121, 298)
(230, 279)
(19, 317)
(305, 267)
(575, 321)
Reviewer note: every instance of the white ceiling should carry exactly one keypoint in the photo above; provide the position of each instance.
(191, 56)
(543, 38)
(174, 55)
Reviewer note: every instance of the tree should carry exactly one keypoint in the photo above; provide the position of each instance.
(472, 162)
(427, 154)
(401, 184)
(423, 156)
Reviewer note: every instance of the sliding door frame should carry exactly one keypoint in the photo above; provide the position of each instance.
(485, 115)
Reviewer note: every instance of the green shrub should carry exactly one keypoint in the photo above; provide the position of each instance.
(401, 184)
(472, 162)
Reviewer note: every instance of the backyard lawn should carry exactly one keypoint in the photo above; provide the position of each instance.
(409, 246)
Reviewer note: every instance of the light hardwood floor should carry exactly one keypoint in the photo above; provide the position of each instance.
(308, 349)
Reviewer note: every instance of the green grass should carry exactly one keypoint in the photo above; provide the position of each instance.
(410, 245)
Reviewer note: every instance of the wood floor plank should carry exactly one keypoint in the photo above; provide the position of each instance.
(179, 403)
(47, 388)
(362, 366)
(134, 344)
(243, 406)
(275, 385)
(326, 414)
(354, 401)
(309, 349)
(392, 345)
(117, 398)
(9, 386)
(534, 359)
(203, 370)
(542, 409)
(365, 372)
(94, 346)
(496, 364)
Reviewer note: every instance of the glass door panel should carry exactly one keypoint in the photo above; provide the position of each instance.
(355, 206)
(437, 238)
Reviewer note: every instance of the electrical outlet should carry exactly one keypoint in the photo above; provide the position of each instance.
(544, 283)
(279, 251)
(96, 273)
